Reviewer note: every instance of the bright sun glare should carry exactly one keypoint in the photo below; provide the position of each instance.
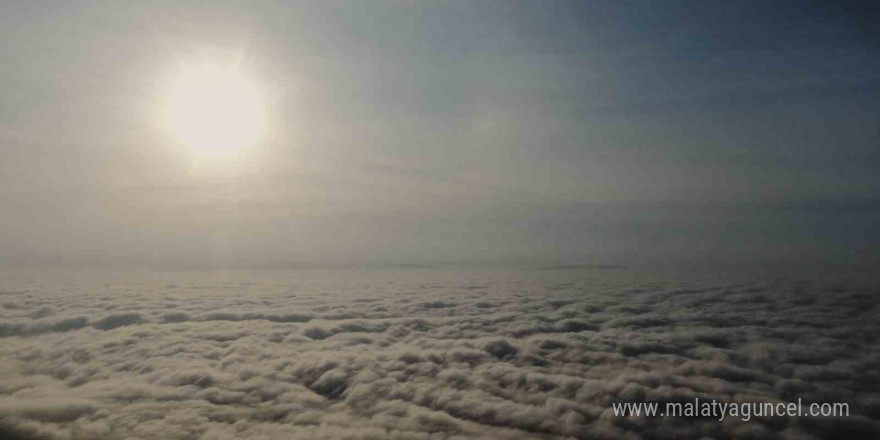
(215, 110)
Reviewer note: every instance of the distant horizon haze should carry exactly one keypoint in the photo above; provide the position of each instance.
(409, 132)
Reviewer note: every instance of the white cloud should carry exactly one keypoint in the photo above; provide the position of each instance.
(392, 356)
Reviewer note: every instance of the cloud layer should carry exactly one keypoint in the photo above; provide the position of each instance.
(431, 355)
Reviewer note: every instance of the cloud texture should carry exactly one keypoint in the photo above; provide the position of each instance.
(431, 355)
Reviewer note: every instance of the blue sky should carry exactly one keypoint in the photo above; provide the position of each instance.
(422, 131)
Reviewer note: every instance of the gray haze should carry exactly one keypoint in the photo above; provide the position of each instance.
(427, 132)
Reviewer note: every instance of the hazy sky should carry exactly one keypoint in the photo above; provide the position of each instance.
(414, 131)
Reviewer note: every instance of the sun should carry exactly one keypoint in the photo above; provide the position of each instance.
(215, 110)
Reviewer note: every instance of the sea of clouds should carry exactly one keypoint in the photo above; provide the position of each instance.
(538, 354)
